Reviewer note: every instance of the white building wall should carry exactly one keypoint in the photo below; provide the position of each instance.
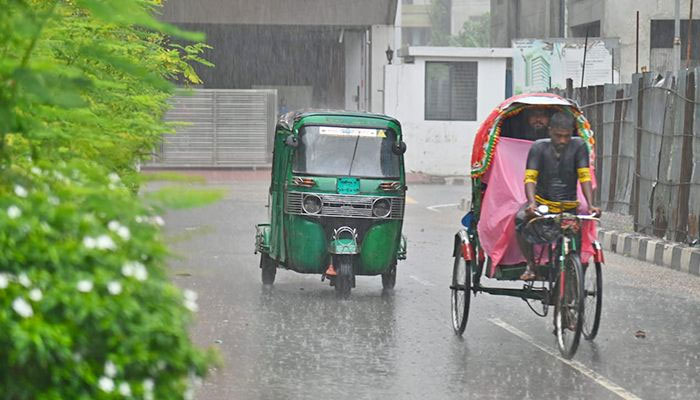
(439, 147)
(382, 36)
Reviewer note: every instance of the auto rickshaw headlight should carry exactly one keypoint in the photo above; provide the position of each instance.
(381, 208)
(311, 204)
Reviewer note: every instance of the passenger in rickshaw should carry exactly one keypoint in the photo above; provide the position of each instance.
(531, 125)
(553, 168)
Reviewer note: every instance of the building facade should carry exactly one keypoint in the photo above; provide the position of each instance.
(316, 53)
(515, 19)
(441, 95)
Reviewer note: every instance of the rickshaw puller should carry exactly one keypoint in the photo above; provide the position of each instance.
(553, 168)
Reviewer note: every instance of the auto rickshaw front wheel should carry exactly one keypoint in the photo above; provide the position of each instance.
(344, 280)
(268, 269)
(389, 277)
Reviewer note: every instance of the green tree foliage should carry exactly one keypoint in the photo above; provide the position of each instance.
(474, 33)
(86, 309)
(440, 23)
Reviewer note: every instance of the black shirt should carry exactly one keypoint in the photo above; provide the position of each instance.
(557, 177)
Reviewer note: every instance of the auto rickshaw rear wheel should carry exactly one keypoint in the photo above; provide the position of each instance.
(344, 279)
(389, 277)
(268, 269)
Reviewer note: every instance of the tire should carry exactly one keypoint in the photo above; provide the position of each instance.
(593, 300)
(461, 288)
(568, 309)
(268, 269)
(345, 278)
(389, 277)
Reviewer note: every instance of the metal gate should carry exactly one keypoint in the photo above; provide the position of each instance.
(221, 128)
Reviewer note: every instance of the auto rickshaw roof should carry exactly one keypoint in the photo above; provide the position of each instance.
(488, 134)
(288, 120)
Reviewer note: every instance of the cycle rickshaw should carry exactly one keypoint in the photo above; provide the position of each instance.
(487, 244)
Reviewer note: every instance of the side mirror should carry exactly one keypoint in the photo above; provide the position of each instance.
(291, 141)
(399, 148)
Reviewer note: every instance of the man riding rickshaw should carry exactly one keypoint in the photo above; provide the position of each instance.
(532, 215)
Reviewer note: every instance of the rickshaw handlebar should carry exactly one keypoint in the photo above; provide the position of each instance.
(591, 217)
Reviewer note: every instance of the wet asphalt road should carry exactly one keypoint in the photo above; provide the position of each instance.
(296, 341)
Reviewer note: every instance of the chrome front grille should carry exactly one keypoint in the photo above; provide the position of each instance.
(339, 205)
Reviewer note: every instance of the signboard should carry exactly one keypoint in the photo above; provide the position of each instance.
(343, 131)
(542, 64)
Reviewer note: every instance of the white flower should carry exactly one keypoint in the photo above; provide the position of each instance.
(14, 212)
(35, 294)
(190, 295)
(22, 308)
(125, 389)
(84, 286)
(191, 300)
(104, 242)
(113, 177)
(191, 305)
(140, 272)
(123, 232)
(113, 226)
(53, 200)
(148, 385)
(20, 191)
(114, 288)
(23, 280)
(106, 384)
(36, 170)
(4, 280)
(110, 369)
(89, 242)
(139, 219)
(158, 220)
(128, 269)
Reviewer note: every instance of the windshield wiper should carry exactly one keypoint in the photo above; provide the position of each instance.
(352, 161)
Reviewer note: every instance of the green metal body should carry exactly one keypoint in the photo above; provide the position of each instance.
(305, 243)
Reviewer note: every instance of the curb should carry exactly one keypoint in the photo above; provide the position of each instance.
(652, 250)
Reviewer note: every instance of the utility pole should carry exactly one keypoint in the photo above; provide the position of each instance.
(688, 53)
(677, 39)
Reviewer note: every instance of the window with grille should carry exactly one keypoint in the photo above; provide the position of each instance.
(450, 91)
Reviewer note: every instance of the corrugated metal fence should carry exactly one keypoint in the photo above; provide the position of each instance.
(221, 128)
(648, 151)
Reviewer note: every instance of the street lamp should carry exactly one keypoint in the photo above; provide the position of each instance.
(389, 53)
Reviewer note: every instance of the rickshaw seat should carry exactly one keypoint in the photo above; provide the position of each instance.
(504, 195)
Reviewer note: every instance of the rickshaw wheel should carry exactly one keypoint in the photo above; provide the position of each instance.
(344, 279)
(593, 300)
(389, 277)
(461, 288)
(268, 269)
(568, 309)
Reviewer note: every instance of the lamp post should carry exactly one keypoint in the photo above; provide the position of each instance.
(389, 53)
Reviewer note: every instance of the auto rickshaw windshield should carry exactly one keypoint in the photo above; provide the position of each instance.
(346, 151)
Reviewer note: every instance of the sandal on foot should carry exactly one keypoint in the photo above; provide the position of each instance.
(528, 276)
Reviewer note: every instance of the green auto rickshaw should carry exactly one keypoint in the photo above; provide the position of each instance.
(337, 198)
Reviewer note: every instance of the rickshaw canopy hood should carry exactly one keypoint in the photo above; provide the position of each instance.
(489, 132)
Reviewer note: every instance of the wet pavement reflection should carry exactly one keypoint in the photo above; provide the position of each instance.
(295, 340)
